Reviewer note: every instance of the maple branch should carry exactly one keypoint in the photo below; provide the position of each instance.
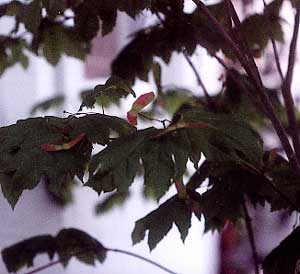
(44, 267)
(286, 86)
(141, 258)
(154, 119)
(197, 75)
(253, 73)
(276, 55)
(199, 80)
(250, 231)
(128, 253)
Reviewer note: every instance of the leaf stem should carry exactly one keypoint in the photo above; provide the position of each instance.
(44, 267)
(276, 55)
(141, 258)
(197, 75)
(250, 231)
(199, 80)
(286, 86)
(154, 119)
(116, 250)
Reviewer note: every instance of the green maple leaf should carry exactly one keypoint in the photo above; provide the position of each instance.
(116, 166)
(114, 88)
(75, 243)
(67, 244)
(160, 221)
(23, 253)
(23, 161)
(110, 202)
(226, 137)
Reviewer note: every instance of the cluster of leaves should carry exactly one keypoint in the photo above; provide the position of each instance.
(66, 244)
(24, 161)
(170, 35)
(56, 150)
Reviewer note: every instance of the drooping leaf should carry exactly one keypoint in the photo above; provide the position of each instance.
(285, 257)
(286, 184)
(56, 40)
(172, 99)
(12, 51)
(23, 253)
(116, 166)
(67, 244)
(75, 243)
(23, 161)
(226, 138)
(110, 202)
(114, 87)
(229, 184)
(31, 15)
(159, 168)
(159, 222)
(47, 104)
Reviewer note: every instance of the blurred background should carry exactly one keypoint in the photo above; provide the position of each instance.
(39, 213)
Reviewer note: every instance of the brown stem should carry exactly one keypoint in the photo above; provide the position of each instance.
(39, 269)
(276, 55)
(43, 267)
(141, 258)
(286, 86)
(252, 71)
(199, 80)
(251, 237)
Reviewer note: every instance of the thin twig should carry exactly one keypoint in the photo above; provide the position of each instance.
(154, 119)
(39, 269)
(276, 55)
(199, 80)
(253, 73)
(251, 237)
(141, 258)
(197, 75)
(286, 86)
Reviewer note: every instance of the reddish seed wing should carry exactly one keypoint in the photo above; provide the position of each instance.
(65, 146)
(141, 102)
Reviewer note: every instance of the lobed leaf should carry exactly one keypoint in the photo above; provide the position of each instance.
(160, 221)
(23, 161)
(114, 87)
(67, 244)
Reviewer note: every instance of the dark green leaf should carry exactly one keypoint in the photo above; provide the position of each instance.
(160, 221)
(116, 166)
(75, 243)
(114, 87)
(67, 244)
(23, 253)
(31, 15)
(47, 104)
(110, 202)
(23, 162)
(230, 184)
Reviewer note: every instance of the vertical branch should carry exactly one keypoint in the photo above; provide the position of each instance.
(286, 86)
(276, 55)
(187, 58)
(199, 80)
(252, 71)
(251, 237)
